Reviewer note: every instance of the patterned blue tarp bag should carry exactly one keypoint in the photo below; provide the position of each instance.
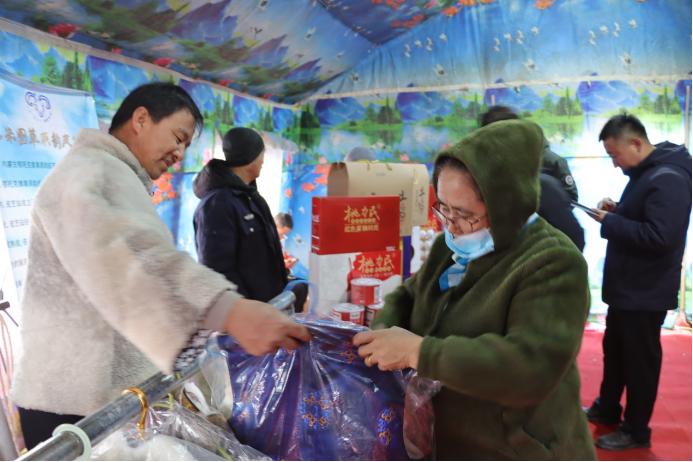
(319, 402)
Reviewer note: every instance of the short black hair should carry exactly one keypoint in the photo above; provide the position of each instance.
(622, 124)
(496, 113)
(161, 99)
(447, 161)
(285, 219)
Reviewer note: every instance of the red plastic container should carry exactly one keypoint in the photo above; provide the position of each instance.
(372, 311)
(366, 291)
(349, 312)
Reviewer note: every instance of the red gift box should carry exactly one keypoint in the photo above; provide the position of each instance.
(354, 224)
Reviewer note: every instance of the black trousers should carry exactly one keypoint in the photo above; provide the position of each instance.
(632, 361)
(38, 426)
(300, 290)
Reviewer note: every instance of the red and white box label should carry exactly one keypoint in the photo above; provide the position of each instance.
(354, 224)
(334, 275)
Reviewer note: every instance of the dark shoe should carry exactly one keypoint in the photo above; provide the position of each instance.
(620, 440)
(595, 415)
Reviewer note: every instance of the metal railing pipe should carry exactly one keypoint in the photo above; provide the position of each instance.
(97, 426)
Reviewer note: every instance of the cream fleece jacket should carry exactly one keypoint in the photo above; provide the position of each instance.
(108, 298)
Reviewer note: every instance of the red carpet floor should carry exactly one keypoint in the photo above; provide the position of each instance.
(671, 421)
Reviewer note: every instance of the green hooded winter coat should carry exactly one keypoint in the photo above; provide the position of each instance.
(504, 341)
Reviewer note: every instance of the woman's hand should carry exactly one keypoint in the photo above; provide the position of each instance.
(391, 349)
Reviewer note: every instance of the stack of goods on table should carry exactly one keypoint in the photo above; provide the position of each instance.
(365, 301)
(355, 257)
(409, 182)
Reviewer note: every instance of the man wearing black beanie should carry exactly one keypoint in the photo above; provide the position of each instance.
(235, 232)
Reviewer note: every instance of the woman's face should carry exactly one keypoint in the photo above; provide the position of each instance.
(460, 203)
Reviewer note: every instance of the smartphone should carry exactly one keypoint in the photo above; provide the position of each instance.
(588, 210)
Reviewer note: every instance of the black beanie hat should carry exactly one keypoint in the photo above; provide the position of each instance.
(242, 146)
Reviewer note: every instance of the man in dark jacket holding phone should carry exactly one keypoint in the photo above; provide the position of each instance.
(646, 233)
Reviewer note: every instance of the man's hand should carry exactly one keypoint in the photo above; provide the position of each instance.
(599, 215)
(604, 207)
(607, 205)
(391, 349)
(261, 329)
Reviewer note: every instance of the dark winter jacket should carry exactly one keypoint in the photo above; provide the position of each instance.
(235, 233)
(504, 341)
(554, 207)
(647, 233)
(556, 166)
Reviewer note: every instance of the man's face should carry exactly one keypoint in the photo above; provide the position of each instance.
(282, 230)
(255, 167)
(159, 145)
(624, 151)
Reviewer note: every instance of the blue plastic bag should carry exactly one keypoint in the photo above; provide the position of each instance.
(319, 402)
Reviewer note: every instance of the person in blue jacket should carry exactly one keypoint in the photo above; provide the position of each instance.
(235, 233)
(646, 234)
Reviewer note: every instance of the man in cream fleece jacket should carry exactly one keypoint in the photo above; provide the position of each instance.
(108, 298)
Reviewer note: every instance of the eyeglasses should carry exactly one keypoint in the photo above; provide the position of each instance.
(441, 213)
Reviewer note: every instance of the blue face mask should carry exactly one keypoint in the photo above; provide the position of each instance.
(470, 246)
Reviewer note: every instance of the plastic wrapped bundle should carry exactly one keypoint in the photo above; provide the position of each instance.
(419, 417)
(319, 402)
(178, 422)
(173, 433)
(128, 445)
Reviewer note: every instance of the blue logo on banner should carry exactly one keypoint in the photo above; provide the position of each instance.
(40, 105)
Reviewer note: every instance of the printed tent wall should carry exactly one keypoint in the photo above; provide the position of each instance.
(566, 65)
(392, 80)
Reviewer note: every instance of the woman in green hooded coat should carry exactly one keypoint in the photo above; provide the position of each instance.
(497, 312)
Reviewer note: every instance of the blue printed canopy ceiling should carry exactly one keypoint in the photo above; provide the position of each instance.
(277, 49)
(289, 50)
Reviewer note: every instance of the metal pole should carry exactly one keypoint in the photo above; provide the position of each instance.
(67, 446)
